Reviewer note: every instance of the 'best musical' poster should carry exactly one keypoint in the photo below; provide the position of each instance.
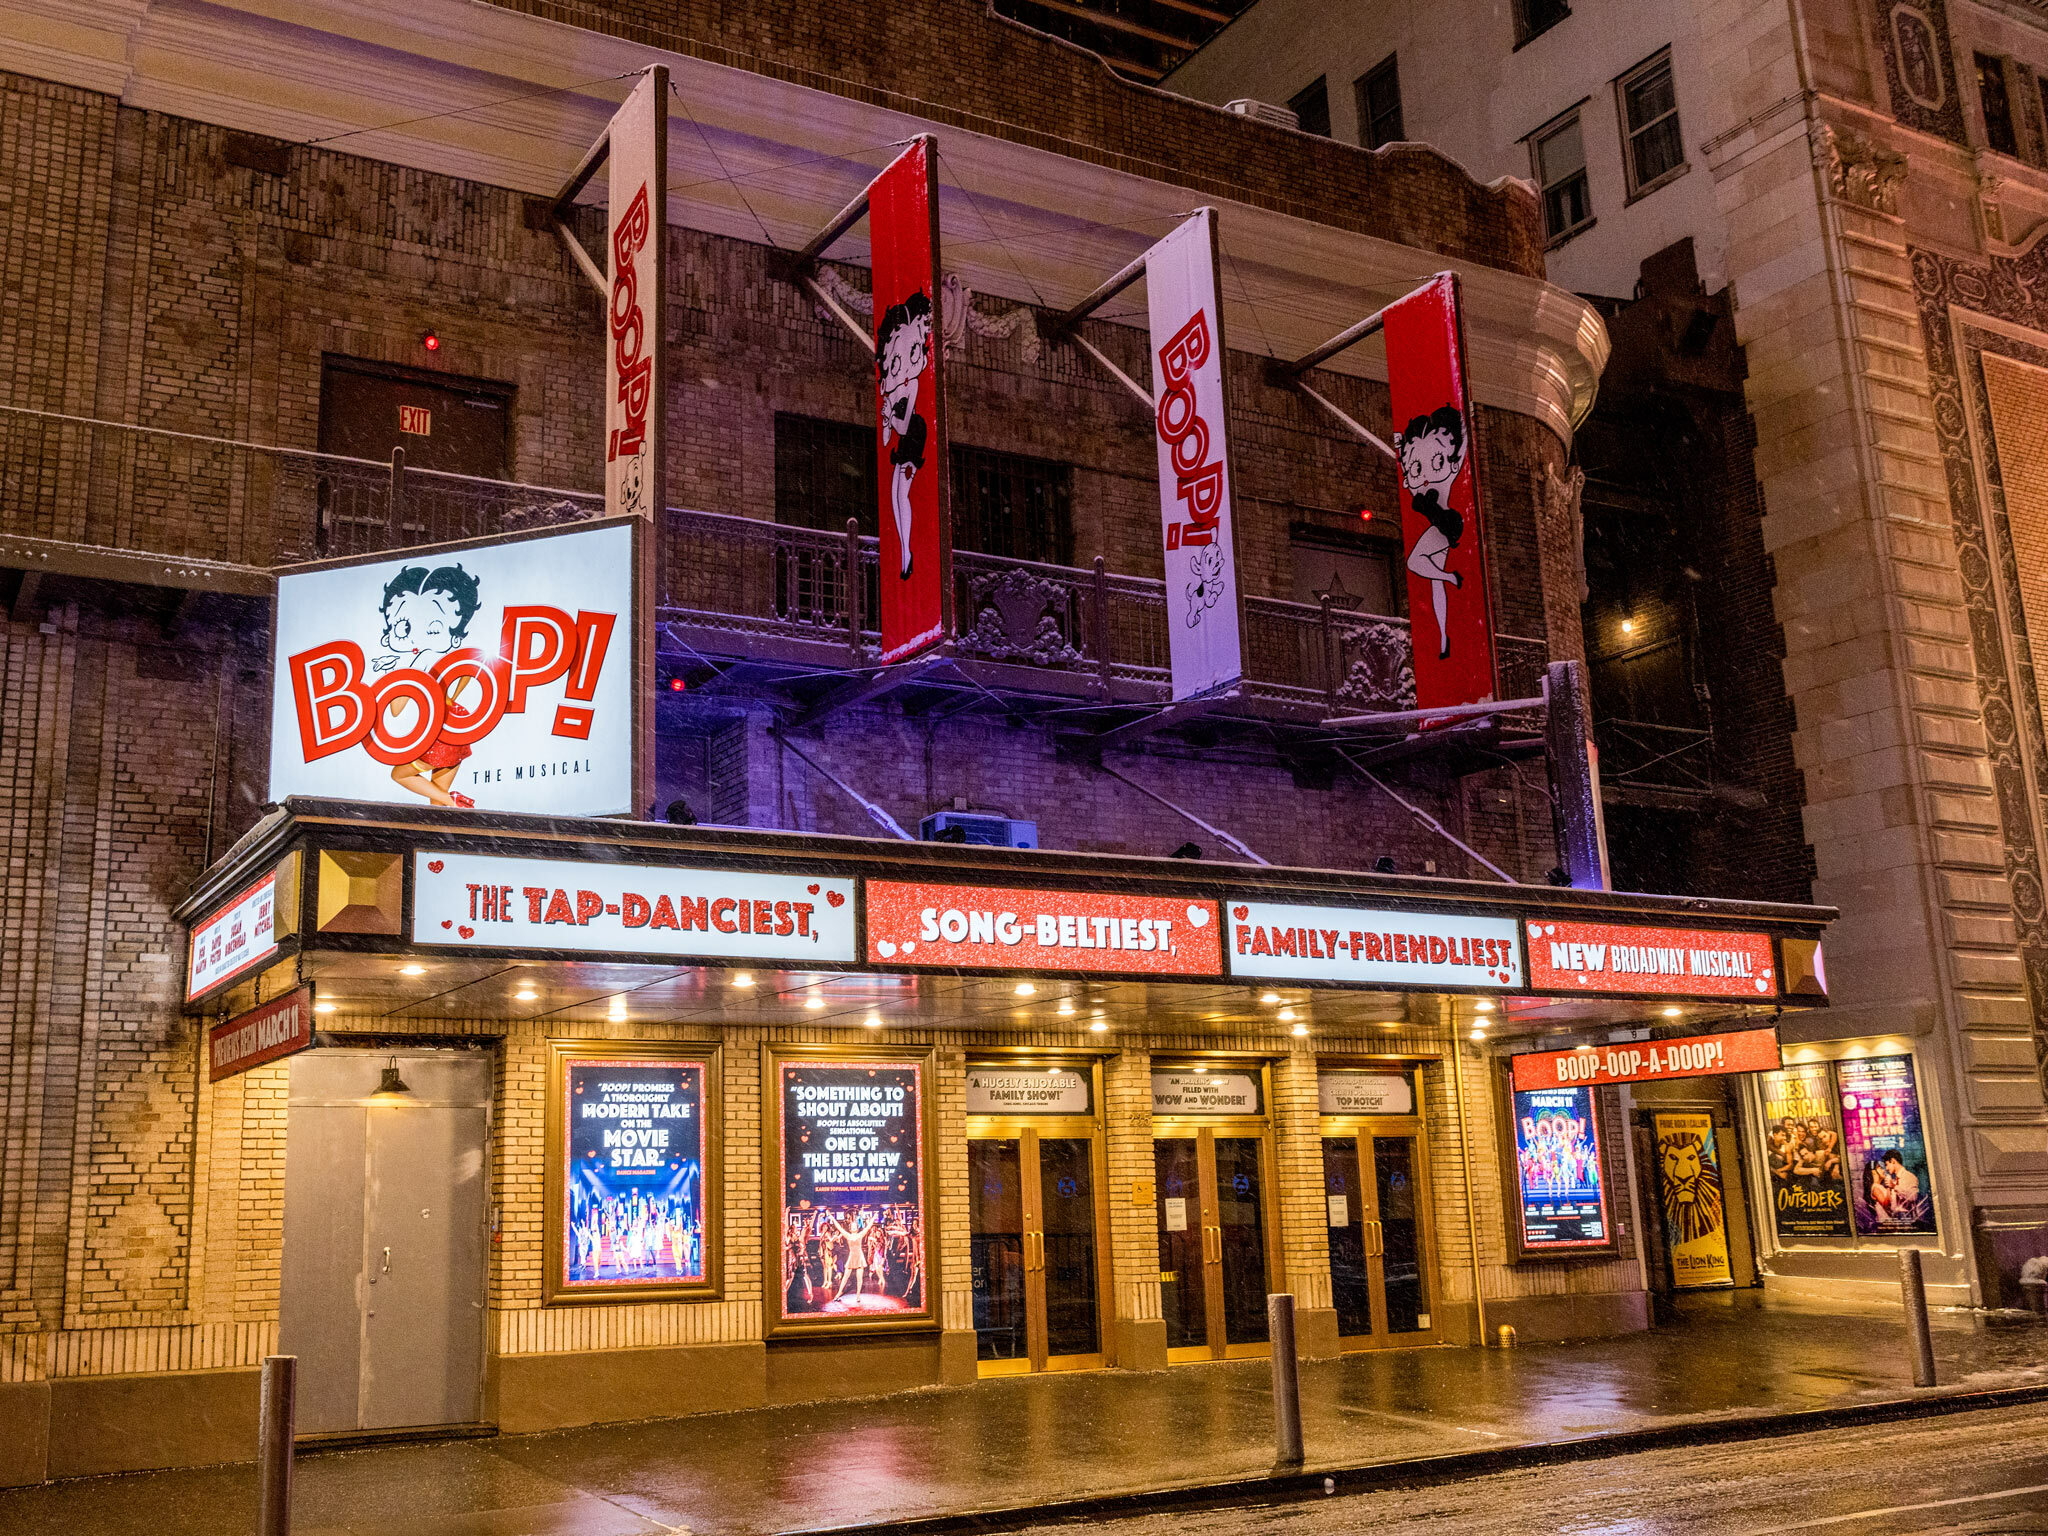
(853, 1207)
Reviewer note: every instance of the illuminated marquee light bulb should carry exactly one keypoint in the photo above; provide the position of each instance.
(871, 1022)
(412, 970)
(1025, 989)
(814, 1002)
(1484, 1005)
(743, 979)
(1097, 1026)
(1300, 1029)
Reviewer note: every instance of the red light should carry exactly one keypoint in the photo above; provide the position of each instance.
(1365, 514)
(676, 685)
(431, 342)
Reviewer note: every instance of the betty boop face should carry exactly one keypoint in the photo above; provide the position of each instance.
(427, 613)
(421, 622)
(901, 352)
(1430, 462)
(1432, 451)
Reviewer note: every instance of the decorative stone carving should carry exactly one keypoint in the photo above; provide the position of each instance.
(1561, 501)
(957, 313)
(1377, 663)
(1017, 617)
(1859, 170)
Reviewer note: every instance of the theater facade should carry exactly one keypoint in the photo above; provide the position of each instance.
(586, 1120)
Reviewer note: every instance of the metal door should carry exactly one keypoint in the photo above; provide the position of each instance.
(384, 1238)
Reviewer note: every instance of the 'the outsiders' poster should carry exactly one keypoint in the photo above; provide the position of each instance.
(491, 675)
(1804, 1152)
(853, 1207)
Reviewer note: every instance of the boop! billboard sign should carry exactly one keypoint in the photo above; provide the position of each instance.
(493, 674)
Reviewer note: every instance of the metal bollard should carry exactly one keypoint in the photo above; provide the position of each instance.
(1286, 1381)
(277, 1419)
(1915, 1288)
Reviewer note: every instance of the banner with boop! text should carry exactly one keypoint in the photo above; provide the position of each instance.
(1442, 538)
(1186, 312)
(493, 673)
(637, 145)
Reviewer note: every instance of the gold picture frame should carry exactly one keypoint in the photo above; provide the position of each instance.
(776, 1276)
(708, 1058)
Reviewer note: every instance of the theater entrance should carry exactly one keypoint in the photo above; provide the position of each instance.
(1376, 1184)
(1036, 1207)
(1216, 1209)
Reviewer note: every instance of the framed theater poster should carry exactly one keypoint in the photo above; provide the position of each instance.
(1555, 1170)
(847, 1197)
(1891, 1191)
(633, 1170)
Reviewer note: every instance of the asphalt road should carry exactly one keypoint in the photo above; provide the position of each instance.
(1970, 1474)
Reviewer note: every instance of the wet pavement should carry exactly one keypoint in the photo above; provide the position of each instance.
(1031, 1440)
(1977, 1474)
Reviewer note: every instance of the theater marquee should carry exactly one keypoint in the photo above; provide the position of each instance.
(1360, 944)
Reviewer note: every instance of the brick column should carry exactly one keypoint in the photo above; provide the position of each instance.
(956, 1239)
(1304, 1221)
(1140, 1342)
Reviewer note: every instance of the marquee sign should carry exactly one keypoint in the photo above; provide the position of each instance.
(974, 926)
(1357, 944)
(481, 901)
(493, 673)
(1621, 958)
(237, 938)
(1650, 1061)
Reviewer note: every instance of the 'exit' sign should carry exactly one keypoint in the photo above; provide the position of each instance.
(416, 419)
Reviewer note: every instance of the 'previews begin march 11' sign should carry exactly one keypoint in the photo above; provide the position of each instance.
(495, 675)
(479, 901)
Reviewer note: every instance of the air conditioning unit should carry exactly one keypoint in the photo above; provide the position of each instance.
(1264, 111)
(980, 827)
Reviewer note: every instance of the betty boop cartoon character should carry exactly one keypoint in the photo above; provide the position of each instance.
(426, 614)
(903, 345)
(1432, 452)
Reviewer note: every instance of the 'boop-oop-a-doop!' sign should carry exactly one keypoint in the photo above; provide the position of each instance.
(496, 676)
(995, 928)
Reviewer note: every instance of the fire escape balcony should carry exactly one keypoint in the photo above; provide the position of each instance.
(83, 497)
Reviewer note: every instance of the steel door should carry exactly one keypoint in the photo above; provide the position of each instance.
(384, 1241)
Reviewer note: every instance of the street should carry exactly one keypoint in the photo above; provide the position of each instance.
(1972, 1474)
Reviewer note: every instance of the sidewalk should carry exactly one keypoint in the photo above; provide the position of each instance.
(1021, 1441)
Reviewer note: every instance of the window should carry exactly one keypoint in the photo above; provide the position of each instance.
(1533, 18)
(824, 474)
(1649, 117)
(1997, 103)
(1356, 573)
(1007, 504)
(1379, 105)
(1312, 107)
(1559, 154)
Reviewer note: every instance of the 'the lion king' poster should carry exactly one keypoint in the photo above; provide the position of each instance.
(1689, 1191)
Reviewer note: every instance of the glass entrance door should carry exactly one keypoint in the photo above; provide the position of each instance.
(1033, 1218)
(1382, 1244)
(1213, 1209)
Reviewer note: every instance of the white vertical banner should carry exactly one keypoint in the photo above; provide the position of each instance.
(1202, 601)
(634, 250)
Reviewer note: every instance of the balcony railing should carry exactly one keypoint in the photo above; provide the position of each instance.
(726, 585)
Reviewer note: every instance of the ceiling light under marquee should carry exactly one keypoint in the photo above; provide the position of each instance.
(412, 970)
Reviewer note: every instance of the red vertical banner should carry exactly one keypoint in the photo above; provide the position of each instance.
(910, 431)
(1441, 534)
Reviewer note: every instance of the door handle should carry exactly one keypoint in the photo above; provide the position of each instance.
(1212, 1244)
(387, 1261)
(1379, 1240)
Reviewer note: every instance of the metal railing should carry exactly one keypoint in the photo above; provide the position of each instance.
(729, 584)
(191, 496)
